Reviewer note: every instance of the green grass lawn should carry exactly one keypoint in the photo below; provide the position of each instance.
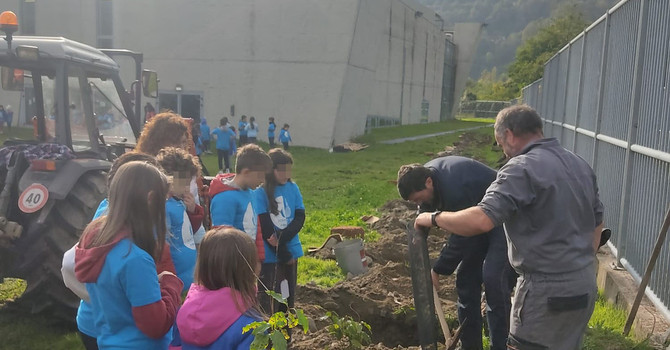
(606, 329)
(395, 132)
(338, 188)
(16, 133)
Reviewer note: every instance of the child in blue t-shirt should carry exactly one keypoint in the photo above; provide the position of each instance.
(222, 301)
(252, 130)
(223, 143)
(271, 132)
(242, 126)
(85, 322)
(285, 136)
(122, 259)
(281, 215)
(181, 209)
(233, 200)
(204, 135)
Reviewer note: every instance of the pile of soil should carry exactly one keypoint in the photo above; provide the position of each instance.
(382, 296)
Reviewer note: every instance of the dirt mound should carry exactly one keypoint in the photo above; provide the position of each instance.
(392, 245)
(469, 141)
(382, 297)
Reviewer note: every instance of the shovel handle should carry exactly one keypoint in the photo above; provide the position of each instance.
(440, 316)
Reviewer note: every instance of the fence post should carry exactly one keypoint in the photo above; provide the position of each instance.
(565, 92)
(538, 94)
(601, 89)
(552, 111)
(632, 127)
(579, 93)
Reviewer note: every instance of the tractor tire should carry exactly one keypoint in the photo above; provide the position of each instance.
(41, 248)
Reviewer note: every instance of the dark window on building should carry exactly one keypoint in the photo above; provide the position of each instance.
(27, 17)
(105, 43)
(105, 22)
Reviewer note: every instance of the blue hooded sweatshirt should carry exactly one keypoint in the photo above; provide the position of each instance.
(204, 130)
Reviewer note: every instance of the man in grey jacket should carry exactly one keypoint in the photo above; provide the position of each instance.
(547, 198)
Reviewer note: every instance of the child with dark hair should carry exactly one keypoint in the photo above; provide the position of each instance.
(285, 136)
(252, 130)
(224, 137)
(281, 215)
(222, 301)
(204, 135)
(242, 129)
(233, 198)
(271, 132)
(184, 216)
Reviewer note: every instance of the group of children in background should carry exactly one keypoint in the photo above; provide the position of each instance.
(145, 248)
(227, 140)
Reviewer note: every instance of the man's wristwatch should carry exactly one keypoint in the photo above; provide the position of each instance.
(433, 217)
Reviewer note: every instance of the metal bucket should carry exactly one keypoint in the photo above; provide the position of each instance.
(350, 256)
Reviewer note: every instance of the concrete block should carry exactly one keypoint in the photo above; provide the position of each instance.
(619, 288)
(348, 231)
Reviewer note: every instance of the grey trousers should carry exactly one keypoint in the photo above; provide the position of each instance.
(552, 311)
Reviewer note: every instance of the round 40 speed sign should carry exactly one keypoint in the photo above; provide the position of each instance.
(33, 198)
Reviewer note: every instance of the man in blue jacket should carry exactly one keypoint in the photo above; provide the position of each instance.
(452, 183)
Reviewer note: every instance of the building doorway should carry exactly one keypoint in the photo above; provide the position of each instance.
(187, 104)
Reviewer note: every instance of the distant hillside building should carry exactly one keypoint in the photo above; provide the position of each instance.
(327, 68)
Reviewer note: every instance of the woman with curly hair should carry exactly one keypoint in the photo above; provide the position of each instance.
(166, 129)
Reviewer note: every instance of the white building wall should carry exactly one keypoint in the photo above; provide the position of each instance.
(72, 19)
(358, 84)
(267, 58)
(389, 34)
(418, 43)
(320, 66)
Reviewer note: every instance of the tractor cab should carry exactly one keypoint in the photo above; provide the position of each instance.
(72, 92)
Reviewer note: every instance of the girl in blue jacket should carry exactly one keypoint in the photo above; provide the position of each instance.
(271, 132)
(225, 138)
(222, 301)
(285, 136)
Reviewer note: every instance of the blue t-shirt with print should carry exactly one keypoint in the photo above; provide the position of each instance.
(289, 199)
(284, 136)
(242, 128)
(85, 321)
(128, 279)
(223, 137)
(235, 208)
(181, 241)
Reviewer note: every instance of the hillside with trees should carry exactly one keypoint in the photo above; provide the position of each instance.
(509, 23)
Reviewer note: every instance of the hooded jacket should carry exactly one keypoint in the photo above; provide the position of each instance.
(209, 319)
(204, 129)
(145, 323)
(232, 206)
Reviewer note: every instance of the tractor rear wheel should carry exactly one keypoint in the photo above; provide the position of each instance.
(41, 247)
